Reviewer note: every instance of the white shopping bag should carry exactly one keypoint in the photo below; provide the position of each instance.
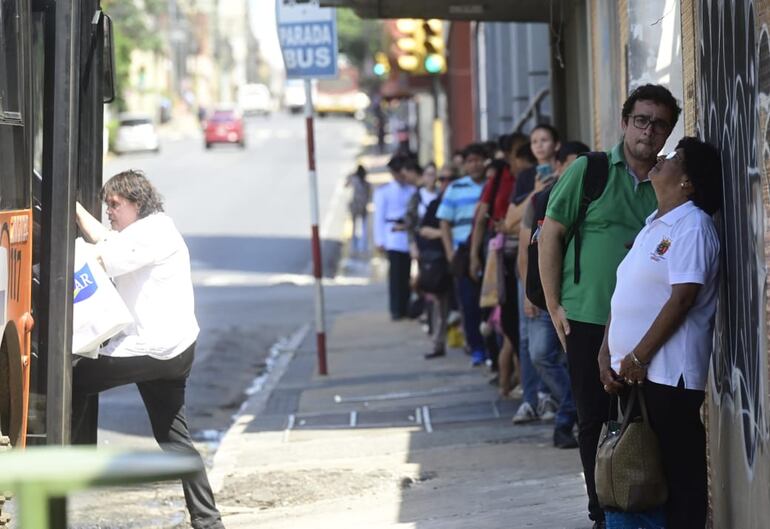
(99, 312)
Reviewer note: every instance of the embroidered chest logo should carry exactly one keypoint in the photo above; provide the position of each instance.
(661, 249)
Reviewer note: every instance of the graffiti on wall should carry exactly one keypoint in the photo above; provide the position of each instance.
(729, 104)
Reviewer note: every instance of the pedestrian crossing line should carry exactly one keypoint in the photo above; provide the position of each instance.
(426, 419)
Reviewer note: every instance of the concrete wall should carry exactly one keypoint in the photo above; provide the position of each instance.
(513, 67)
(655, 50)
(732, 77)
(608, 83)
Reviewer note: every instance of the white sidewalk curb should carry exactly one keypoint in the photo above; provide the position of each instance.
(281, 355)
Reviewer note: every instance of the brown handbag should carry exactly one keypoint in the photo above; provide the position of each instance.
(629, 472)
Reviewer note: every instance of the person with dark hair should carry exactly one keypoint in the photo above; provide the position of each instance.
(390, 202)
(545, 351)
(458, 157)
(359, 214)
(148, 260)
(664, 338)
(578, 289)
(543, 144)
(456, 213)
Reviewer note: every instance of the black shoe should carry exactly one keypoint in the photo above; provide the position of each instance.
(600, 525)
(435, 354)
(563, 438)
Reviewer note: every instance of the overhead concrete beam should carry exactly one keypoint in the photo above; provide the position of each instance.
(482, 10)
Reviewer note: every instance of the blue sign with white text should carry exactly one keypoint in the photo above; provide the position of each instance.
(85, 284)
(308, 39)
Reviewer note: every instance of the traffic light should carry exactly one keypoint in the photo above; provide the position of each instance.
(409, 44)
(434, 59)
(381, 64)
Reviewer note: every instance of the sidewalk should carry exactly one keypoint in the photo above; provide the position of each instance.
(389, 440)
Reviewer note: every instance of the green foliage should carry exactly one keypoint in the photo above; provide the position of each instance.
(358, 39)
(134, 24)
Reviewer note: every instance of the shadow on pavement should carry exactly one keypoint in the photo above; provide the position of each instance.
(279, 255)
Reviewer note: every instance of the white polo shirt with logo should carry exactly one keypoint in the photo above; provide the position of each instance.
(682, 246)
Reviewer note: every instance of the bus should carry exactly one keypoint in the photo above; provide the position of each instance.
(341, 96)
(56, 73)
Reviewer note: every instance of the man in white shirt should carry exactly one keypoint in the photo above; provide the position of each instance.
(390, 236)
(148, 259)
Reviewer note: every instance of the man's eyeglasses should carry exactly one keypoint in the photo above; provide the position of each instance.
(659, 126)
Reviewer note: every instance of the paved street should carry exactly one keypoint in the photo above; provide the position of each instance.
(245, 216)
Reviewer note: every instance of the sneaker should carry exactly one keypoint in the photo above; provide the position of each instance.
(477, 358)
(563, 438)
(546, 407)
(517, 392)
(524, 414)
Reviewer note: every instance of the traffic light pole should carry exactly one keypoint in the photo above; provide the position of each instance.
(438, 127)
(320, 318)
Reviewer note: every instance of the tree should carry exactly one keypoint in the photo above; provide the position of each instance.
(359, 39)
(134, 28)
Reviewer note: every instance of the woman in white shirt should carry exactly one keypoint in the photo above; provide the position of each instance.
(662, 319)
(147, 258)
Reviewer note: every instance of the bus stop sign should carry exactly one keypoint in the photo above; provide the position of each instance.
(308, 37)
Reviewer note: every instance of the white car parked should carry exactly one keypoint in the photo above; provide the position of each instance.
(136, 132)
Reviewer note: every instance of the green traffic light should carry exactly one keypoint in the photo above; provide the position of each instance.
(379, 69)
(434, 63)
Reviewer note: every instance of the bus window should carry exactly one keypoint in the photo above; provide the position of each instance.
(10, 73)
(38, 89)
(14, 176)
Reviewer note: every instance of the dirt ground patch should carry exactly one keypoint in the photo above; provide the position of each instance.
(297, 487)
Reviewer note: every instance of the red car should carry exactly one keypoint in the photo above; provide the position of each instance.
(224, 126)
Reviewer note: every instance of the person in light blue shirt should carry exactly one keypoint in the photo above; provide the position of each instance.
(456, 213)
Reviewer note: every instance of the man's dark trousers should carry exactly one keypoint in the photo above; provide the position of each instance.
(591, 401)
(398, 282)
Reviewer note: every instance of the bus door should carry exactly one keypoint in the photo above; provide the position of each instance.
(15, 221)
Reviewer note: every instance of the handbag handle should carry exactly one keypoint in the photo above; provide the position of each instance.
(636, 392)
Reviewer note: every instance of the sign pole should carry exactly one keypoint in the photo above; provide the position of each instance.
(320, 318)
(308, 37)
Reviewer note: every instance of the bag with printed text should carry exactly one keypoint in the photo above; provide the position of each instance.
(99, 312)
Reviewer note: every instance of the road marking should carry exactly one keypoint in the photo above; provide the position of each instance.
(403, 395)
(289, 426)
(353, 419)
(426, 419)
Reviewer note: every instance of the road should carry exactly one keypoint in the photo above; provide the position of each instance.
(245, 216)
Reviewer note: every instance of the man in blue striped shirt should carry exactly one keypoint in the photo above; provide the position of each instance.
(456, 212)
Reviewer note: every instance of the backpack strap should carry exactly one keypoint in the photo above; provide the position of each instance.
(594, 181)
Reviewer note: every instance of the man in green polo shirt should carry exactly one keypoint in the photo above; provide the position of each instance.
(580, 310)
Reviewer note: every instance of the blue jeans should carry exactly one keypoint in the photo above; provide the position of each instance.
(360, 242)
(529, 378)
(551, 364)
(468, 293)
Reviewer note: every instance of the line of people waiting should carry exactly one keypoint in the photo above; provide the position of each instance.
(624, 233)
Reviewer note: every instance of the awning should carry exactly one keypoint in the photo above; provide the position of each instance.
(487, 10)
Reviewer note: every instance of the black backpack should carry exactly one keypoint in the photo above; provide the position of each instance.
(594, 182)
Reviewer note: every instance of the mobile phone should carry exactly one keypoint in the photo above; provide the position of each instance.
(544, 171)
